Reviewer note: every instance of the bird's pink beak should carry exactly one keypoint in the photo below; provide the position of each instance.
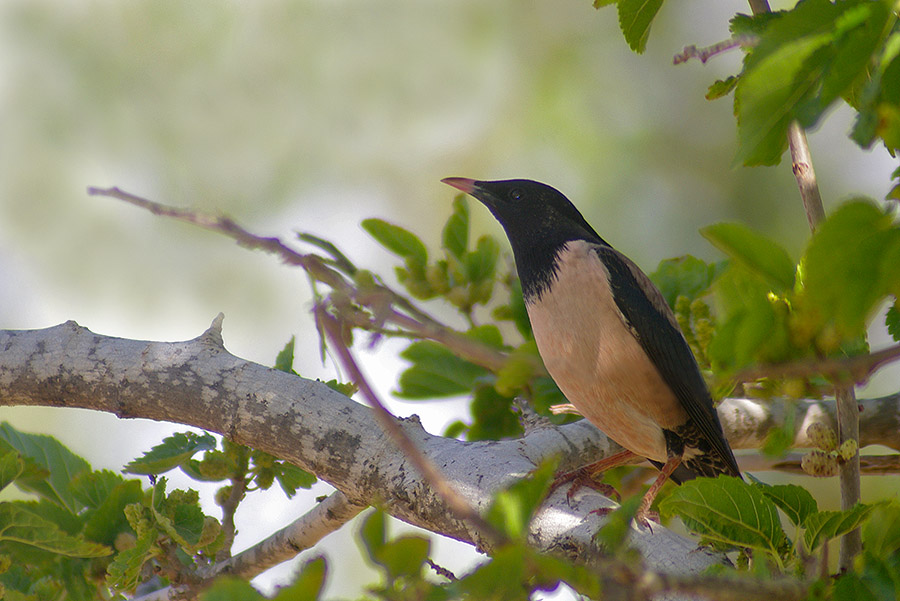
(461, 183)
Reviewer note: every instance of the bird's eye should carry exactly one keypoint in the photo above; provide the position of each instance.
(515, 194)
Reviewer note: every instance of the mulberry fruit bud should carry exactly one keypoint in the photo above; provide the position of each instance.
(822, 436)
(819, 464)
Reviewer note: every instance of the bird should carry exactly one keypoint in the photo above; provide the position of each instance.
(608, 338)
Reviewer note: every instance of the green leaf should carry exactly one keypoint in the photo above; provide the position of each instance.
(309, 582)
(17, 524)
(513, 507)
(803, 61)
(436, 372)
(892, 322)
(635, 18)
(404, 556)
(750, 330)
(125, 569)
(795, 501)
(49, 454)
(825, 525)
(291, 477)
(373, 533)
(93, 488)
(481, 263)
(180, 519)
(108, 519)
(172, 452)
(230, 588)
(685, 276)
(285, 359)
(881, 533)
(397, 240)
(455, 236)
(847, 266)
(721, 87)
(488, 334)
(11, 466)
(493, 417)
(729, 511)
(757, 252)
(613, 535)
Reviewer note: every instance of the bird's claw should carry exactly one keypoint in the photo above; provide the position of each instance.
(582, 477)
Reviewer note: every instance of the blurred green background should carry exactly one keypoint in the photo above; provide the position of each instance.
(312, 115)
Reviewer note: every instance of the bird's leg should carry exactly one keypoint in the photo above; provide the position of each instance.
(586, 475)
(643, 514)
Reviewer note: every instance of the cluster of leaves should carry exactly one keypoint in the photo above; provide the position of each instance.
(467, 280)
(772, 309)
(735, 515)
(91, 532)
(407, 572)
(800, 62)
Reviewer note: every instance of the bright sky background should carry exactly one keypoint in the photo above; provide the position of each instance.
(314, 115)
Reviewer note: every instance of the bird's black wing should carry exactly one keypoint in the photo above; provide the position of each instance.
(653, 324)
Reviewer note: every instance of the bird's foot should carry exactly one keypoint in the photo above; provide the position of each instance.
(583, 477)
(643, 519)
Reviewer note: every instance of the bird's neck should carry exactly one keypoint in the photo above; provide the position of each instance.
(537, 264)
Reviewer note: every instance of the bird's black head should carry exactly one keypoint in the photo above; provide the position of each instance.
(538, 221)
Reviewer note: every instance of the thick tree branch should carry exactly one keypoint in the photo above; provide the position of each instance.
(199, 383)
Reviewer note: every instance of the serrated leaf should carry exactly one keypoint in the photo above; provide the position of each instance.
(892, 322)
(513, 507)
(125, 569)
(825, 525)
(284, 361)
(455, 236)
(436, 372)
(108, 519)
(635, 19)
(805, 60)
(845, 271)
(727, 510)
(17, 524)
(183, 523)
(290, 478)
(309, 582)
(795, 501)
(742, 24)
(172, 452)
(757, 252)
(61, 464)
(397, 240)
(92, 488)
(11, 466)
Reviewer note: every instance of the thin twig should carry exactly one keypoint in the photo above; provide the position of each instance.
(301, 534)
(707, 52)
(849, 370)
(801, 165)
(390, 307)
(457, 504)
